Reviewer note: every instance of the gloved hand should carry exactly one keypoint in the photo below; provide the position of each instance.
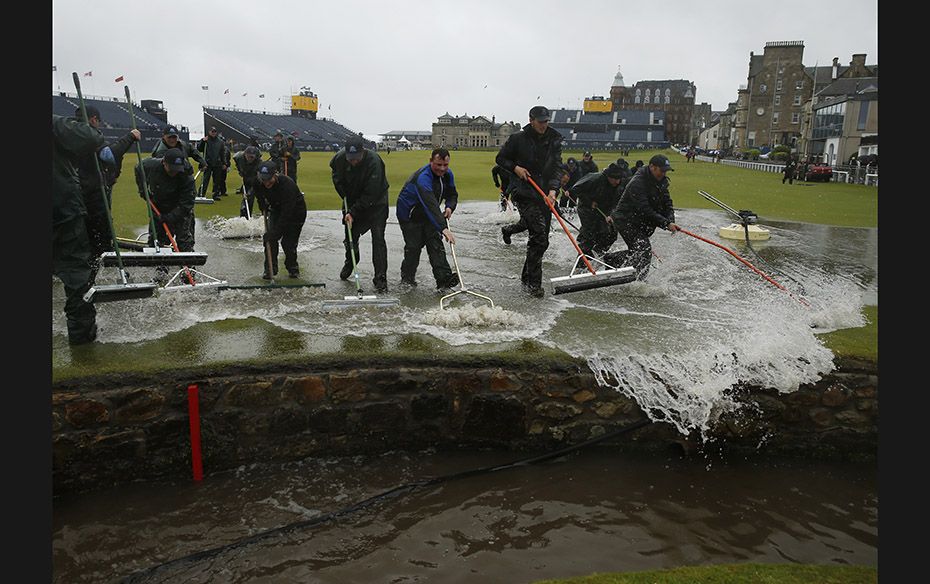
(201, 166)
(106, 155)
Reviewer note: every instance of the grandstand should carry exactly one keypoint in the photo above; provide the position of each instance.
(309, 133)
(116, 120)
(587, 130)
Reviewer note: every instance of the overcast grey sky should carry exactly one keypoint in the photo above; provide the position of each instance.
(399, 64)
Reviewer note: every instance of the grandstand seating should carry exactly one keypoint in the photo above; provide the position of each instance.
(116, 120)
(309, 134)
(598, 130)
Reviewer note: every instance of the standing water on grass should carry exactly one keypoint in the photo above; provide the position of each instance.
(700, 323)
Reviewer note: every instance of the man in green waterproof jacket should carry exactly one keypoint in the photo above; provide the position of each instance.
(71, 249)
(171, 188)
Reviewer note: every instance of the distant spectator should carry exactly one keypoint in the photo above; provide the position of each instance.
(277, 150)
(789, 170)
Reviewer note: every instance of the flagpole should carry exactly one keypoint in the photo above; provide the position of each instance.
(57, 80)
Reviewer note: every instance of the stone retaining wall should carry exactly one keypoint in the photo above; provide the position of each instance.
(116, 429)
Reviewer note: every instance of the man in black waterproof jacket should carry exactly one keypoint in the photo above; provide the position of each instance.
(247, 162)
(170, 139)
(423, 224)
(110, 161)
(587, 164)
(213, 149)
(171, 188)
(644, 205)
(360, 180)
(597, 193)
(71, 250)
(536, 153)
(286, 211)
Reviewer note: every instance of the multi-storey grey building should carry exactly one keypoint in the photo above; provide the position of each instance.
(471, 132)
(774, 107)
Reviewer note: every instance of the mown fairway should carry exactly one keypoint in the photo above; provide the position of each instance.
(762, 192)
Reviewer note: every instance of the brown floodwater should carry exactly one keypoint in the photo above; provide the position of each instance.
(595, 510)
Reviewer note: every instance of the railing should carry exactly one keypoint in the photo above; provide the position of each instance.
(861, 175)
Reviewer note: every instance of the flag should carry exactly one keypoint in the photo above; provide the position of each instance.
(261, 95)
(225, 92)
(245, 94)
(118, 79)
(89, 74)
(204, 87)
(54, 68)
(330, 106)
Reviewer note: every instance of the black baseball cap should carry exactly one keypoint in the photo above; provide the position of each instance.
(355, 148)
(613, 170)
(251, 150)
(170, 131)
(586, 153)
(91, 113)
(540, 113)
(661, 161)
(212, 129)
(174, 158)
(267, 170)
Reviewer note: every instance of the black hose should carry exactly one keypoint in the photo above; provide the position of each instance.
(390, 493)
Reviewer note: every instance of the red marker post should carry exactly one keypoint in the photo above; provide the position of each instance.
(193, 409)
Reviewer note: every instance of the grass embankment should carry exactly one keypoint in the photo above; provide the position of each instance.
(828, 203)
(736, 574)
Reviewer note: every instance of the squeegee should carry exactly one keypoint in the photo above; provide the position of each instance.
(575, 282)
(359, 299)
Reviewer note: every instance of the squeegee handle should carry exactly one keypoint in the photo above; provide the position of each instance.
(562, 223)
(749, 265)
(174, 244)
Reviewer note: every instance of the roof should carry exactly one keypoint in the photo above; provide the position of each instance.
(407, 133)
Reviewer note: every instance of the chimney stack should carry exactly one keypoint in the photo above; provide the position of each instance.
(836, 66)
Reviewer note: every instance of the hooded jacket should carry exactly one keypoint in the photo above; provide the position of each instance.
(71, 140)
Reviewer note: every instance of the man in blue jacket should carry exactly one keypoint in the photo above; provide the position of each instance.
(421, 221)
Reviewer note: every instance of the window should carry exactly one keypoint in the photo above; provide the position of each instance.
(778, 85)
(795, 118)
(636, 99)
(668, 99)
(647, 98)
(775, 117)
(863, 115)
(799, 85)
(797, 99)
(777, 100)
